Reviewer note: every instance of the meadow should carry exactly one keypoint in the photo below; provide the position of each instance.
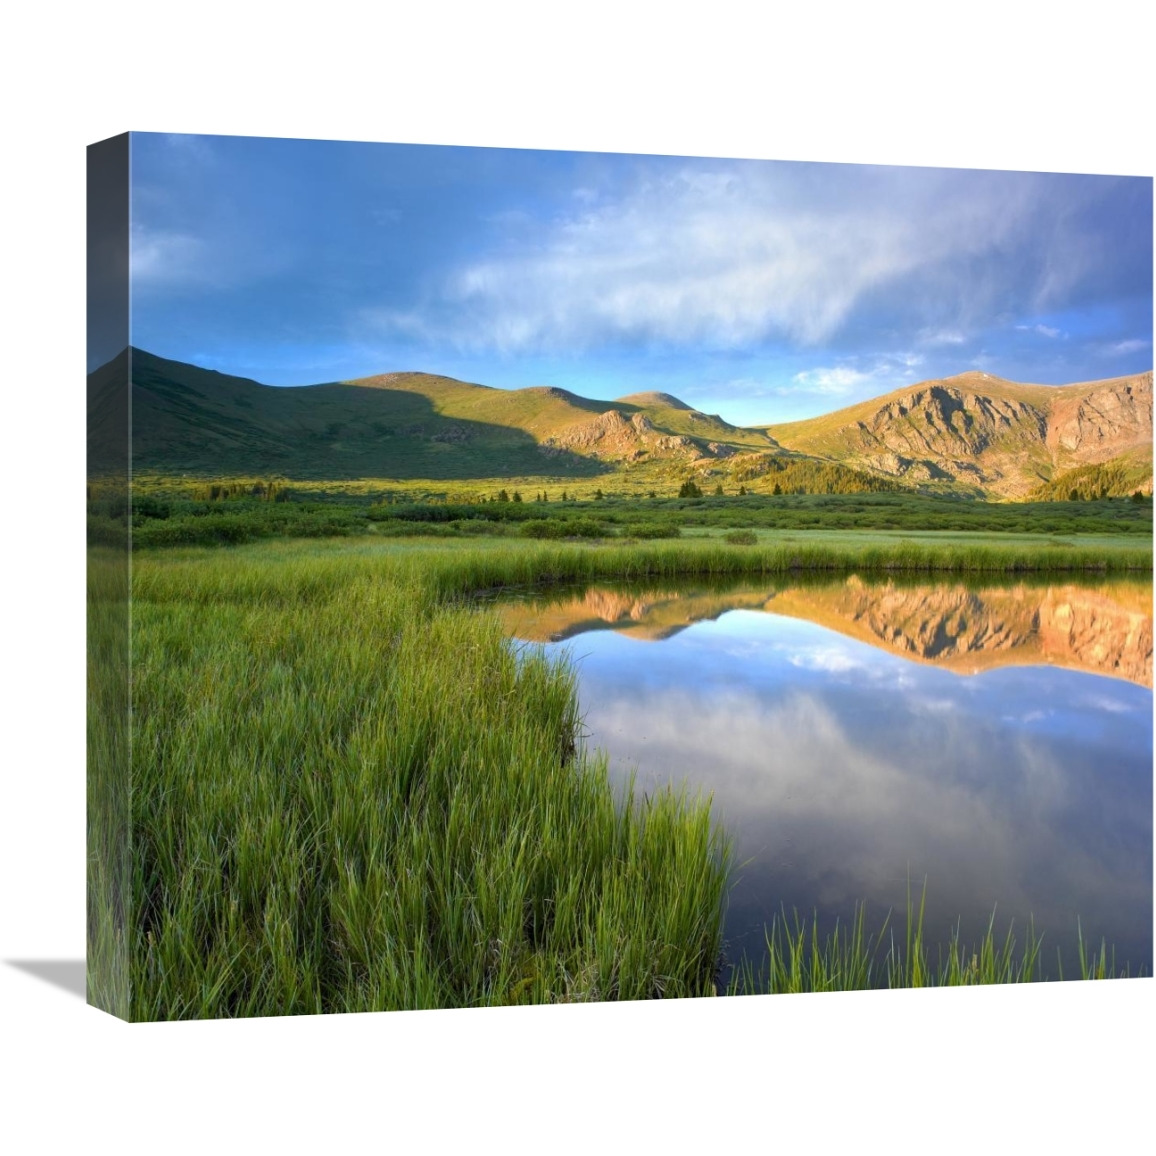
(351, 793)
(165, 515)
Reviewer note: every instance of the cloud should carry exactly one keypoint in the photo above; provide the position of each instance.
(942, 337)
(821, 795)
(1133, 345)
(840, 379)
(726, 257)
(1104, 702)
(1042, 330)
(889, 370)
(160, 257)
(831, 659)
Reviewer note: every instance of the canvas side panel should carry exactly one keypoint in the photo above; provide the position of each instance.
(109, 904)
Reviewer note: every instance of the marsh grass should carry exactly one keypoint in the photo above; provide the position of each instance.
(464, 571)
(351, 793)
(351, 796)
(108, 824)
(852, 958)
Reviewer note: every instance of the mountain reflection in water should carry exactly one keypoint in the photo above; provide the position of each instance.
(846, 755)
(1103, 629)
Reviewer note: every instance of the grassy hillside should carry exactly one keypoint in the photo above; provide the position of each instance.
(973, 434)
(201, 423)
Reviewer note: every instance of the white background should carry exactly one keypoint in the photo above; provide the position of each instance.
(1001, 85)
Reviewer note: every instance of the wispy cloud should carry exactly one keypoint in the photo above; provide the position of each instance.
(885, 371)
(1132, 345)
(730, 257)
(1042, 330)
(941, 337)
(839, 379)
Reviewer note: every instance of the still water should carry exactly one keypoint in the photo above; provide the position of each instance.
(994, 741)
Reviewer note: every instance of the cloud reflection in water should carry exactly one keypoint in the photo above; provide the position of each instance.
(841, 770)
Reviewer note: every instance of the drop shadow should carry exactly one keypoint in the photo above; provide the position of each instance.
(67, 974)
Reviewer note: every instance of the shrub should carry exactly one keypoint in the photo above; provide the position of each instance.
(562, 528)
(741, 538)
(477, 526)
(586, 528)
(544, 528)
(144, 506)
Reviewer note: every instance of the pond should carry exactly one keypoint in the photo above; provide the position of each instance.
(992, 742)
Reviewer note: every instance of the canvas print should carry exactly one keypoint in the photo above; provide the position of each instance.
(532, 577)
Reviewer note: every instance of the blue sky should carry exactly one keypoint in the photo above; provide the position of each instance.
(761, 290)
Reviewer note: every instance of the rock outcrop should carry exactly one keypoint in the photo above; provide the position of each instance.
(613, 436)
(998, 436)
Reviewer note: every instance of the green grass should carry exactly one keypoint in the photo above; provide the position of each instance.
(350, 793)
(464, 570)
(162, 517)
(108, 823)
(851, 958)
(351, 796)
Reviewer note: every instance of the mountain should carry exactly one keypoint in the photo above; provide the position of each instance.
(188, 420)
(972, 433)
(108, 420)
(1000, 437)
